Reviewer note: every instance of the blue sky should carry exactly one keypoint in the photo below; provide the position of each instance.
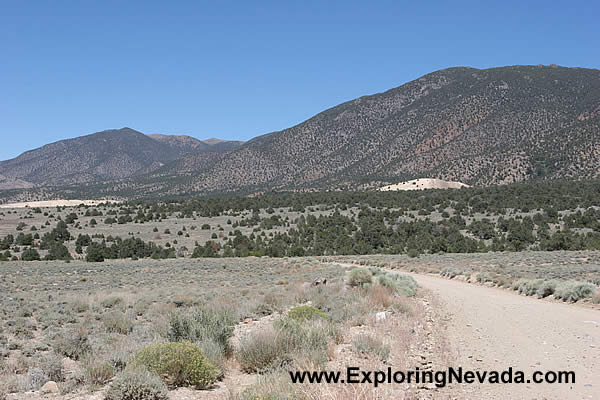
(236, 70)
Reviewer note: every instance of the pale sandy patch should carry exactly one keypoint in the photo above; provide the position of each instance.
(56, 203)
(424, 183)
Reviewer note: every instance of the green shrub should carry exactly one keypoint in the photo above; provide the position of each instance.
(58, 251)
(308, 337)
(574, 290)
(359, 277)
(483, 277)
(413, 253)
(529, 287)
(516, 284)
(180, 364)
(547, 288)
(401, 284)
(376, 271)
(137, 384)
(306, 313)
(287, 341)
(30, 254)
(199, 324)
(94, 253)
(371, 345)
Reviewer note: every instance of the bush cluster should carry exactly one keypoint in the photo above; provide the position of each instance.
(566, 291)
(137, 384)
(179, 363)
(200, 324)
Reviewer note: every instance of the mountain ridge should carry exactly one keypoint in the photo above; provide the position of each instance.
(102, 156)
(481, 127)
(477, 126)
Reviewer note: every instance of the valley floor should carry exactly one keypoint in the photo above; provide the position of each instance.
(450, 323)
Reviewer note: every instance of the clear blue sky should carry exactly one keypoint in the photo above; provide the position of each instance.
(236, 70)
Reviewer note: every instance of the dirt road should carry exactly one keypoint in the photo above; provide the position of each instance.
(493, 329)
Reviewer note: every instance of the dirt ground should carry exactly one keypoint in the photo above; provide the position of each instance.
(493, 329)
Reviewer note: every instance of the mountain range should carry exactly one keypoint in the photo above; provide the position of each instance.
(476, 126)
(103, 156)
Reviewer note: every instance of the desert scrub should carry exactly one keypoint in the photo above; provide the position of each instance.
(79, 305)
(547, 288)
(360, 277)
(261, 351)
(516, 284)
(98, 371)
(401, 284)
(111, 301)
(286, 342)
(449, 272)
(118, 322)
(339, 305)
(180, 364)
(529, 287)
(375, 271)
(72, 343)
(51, 364)
(214, 353)
(381, 297)
(35, 379)
(274, 385)
(484, 277)
(137, 384)
(306, 313)
(371, 345)
(574, 290)
(308, 337)
(199, 324)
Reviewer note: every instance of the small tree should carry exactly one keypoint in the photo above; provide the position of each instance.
(30, 254)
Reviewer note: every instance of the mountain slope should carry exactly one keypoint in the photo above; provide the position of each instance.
(479, 127)
(102, 156)
(475, 126)
(111, 154)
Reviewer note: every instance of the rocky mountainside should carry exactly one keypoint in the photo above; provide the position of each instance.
(103, 156)
(479, 127)
(188, 144)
